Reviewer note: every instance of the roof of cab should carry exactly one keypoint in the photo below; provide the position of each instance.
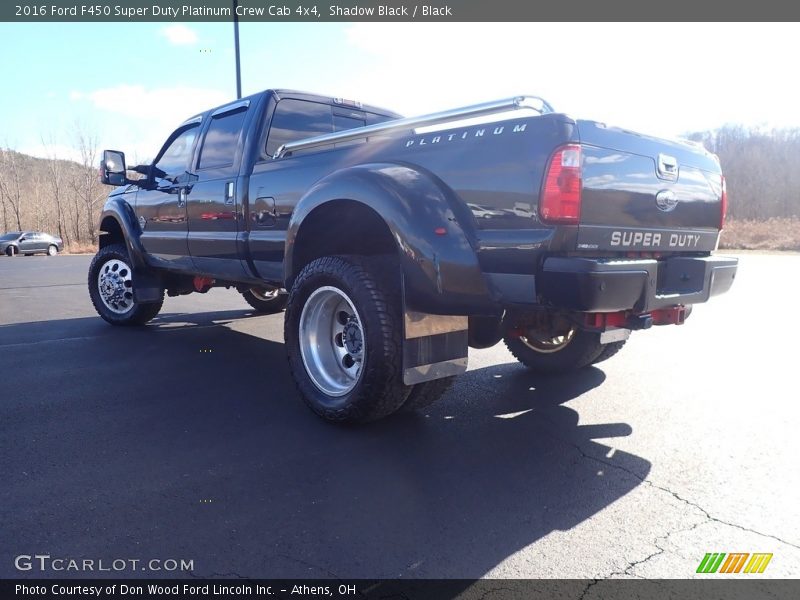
(297, 95)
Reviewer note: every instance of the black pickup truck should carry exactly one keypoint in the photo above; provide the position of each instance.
(395, 243)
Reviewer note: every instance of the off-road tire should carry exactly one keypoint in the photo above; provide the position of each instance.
(424, 394)
(378, 390)
(579, 352)
(139, 313)
(608, 351)
(265, 306)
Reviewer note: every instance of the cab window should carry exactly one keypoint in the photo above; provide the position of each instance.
(300, 119)
(297, 120)
(221, 140)
(175, 158)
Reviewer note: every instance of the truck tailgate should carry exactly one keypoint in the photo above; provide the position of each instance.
(642, 193)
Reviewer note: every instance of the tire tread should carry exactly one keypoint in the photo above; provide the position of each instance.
(582, 350)
(141, 313)
(381, 391)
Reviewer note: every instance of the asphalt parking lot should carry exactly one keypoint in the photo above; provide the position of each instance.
(186, 440)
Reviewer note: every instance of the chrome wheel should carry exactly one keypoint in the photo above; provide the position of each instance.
(264, 295)
(332, 341)
(115, 285)
(548, 345)
(52, 250)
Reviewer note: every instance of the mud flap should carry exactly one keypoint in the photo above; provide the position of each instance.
(147, 288)
(434, 346)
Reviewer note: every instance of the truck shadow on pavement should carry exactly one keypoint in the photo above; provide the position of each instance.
(186, 439)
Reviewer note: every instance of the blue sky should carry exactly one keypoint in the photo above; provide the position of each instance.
(130, 84)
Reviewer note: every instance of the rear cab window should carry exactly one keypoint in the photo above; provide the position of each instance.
(300, 119)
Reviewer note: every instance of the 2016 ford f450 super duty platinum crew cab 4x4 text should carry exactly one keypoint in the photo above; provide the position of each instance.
(396, 243)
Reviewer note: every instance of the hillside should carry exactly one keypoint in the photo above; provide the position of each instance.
(57, 196)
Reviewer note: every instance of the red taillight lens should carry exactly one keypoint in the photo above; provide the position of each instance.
(723, 209)
(561, 194)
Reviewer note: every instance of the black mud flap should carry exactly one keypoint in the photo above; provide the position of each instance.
(434, 346)
(148, 287)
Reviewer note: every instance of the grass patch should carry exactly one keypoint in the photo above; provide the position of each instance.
(80, 248)
(772, 234)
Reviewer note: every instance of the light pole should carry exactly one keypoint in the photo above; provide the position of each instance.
(236, 50)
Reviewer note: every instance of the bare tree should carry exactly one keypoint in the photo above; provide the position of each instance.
(55, 179)
(5, 208)
(11, 183)
(85, 184)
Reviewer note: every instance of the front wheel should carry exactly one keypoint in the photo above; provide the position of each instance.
(265, 301)
(343, 332)
(11, 251)
(111, 287)
(568, 351)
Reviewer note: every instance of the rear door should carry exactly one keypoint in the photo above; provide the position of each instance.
(214, 206)
(41, 242)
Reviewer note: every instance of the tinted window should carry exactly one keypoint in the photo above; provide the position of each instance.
(297, 120)
(373, 118)
(175, 159)
(348, 119)
(10, 236)
(219, 145)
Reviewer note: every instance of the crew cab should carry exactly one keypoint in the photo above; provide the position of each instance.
(394, 244)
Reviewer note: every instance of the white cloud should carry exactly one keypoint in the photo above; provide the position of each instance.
(139, 119)
(168, 104)
(694, 75)
(179, 35)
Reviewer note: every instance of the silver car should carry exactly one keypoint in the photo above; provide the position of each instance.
(30, 242)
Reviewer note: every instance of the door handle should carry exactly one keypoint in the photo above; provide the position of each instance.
(667, 167)
(182, 193)
(229, 188)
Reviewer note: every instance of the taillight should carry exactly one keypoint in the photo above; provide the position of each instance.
(561, 194)
(723, 209)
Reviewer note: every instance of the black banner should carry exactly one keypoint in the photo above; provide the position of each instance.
(403, 10)
(427, 589)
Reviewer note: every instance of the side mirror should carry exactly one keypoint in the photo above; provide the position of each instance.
(112, 168)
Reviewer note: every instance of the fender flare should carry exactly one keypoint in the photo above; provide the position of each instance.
(122, 212)
(431, 228)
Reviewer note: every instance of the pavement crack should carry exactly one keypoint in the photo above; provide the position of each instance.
(230, 575)
(49, 285)
(493, 590)
(632, 565)
(708, 516)
(590, 585)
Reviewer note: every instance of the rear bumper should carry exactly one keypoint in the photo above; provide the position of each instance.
(607, 285)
